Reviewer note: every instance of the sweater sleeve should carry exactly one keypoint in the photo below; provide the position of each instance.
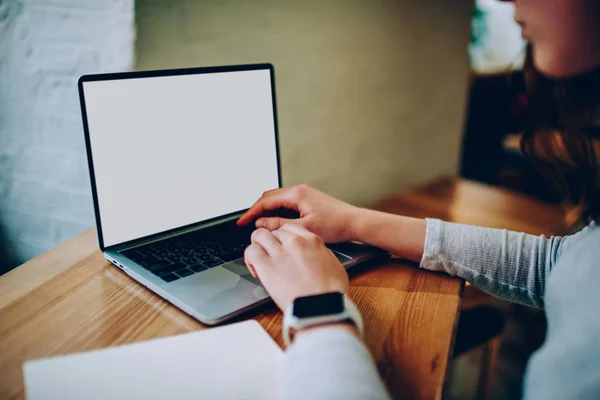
(510, 265)
(331, 364)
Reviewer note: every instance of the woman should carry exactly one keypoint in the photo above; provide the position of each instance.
(559, 274)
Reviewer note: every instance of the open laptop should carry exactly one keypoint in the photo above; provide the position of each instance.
(175, 157)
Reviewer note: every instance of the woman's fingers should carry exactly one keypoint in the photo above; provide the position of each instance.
(280, 198)
(256, 258)
(297, 229)
(283, 236)
(273, 223)
(266, 240)
(270, 192)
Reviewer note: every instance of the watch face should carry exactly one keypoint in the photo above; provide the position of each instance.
(319, 305)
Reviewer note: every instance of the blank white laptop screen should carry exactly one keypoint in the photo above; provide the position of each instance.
(170, 151)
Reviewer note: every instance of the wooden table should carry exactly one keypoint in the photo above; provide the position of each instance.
(70, 299)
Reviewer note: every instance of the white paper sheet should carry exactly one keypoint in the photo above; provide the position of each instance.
(238, 361)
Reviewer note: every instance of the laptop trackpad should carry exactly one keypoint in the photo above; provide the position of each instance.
(222, 290)
(239, 267)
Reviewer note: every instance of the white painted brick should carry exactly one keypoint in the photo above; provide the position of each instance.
(45, 45)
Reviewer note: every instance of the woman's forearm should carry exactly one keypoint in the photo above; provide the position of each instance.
(400, 235)
(511, 265)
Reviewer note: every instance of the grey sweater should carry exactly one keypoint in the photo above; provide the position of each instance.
(558, 274)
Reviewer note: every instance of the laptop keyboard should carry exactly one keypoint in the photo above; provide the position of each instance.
(187, 254)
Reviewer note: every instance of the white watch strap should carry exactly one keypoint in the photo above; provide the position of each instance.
(351, 313)
(286, 330)
(355, 316)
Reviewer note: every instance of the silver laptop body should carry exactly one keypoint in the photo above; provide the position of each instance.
(175, 157)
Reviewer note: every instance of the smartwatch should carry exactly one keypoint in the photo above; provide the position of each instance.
(320, 309)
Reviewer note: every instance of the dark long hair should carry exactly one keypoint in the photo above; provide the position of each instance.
(563, 119)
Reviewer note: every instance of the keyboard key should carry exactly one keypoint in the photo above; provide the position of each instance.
(189, 260)
(169, 277)
(141, 252)
(145, 262)
(184, 272)
(168, 268)
(198, 267)
(128, 253)
(203, 256)
(157, 264)
(212, 262)
(230, 256)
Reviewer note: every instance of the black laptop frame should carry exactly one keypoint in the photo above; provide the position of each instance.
(161, 73)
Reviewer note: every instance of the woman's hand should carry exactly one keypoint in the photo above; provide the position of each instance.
(336, 221)
(324, 215)
(292, 262)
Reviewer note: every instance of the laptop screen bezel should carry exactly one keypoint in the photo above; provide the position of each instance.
(162, 73)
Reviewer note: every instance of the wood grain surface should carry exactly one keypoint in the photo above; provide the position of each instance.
(70, 299)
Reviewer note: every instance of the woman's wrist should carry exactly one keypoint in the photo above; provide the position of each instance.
(365, 223)
(403, 236)
(358, 224)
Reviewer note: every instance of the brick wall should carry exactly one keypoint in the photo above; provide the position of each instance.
(45, 45)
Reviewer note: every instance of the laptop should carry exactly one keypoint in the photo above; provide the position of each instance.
(175, 158)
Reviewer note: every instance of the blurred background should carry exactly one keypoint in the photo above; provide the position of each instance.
(380, 82)
(373, 96)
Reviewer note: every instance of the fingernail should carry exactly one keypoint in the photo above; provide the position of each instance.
(260, 223)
